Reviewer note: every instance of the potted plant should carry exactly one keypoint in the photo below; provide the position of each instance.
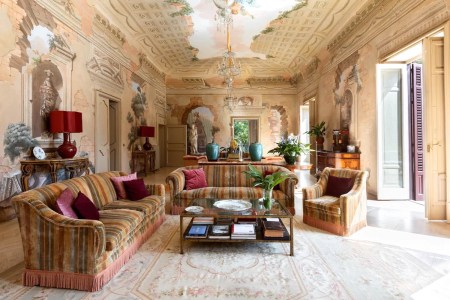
(290, 148)
(267, 182)
(318, 131)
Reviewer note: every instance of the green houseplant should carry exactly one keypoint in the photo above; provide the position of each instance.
(290, 148)
(318, 131)
(267, 182)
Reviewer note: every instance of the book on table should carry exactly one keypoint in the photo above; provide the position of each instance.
(219, 232)
(203, 220)
(273, 228)
(247, 220)
(197, 231)
(243, 231)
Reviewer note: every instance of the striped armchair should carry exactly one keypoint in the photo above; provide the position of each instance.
(80, 254)
(344, 215)
(228, 182)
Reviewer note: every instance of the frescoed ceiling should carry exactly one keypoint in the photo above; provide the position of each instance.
(271, 38)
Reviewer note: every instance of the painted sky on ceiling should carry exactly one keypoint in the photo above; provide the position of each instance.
(211, 42)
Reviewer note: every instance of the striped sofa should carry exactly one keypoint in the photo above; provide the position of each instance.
(343, 215)
(79, 254)
(228, 182)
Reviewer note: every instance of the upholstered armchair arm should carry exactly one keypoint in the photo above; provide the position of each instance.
(288, 187)
(176, 182)
(355, 201)
(156, 189)
(50, 239)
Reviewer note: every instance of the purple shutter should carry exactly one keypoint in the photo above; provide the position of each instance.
(415, 79)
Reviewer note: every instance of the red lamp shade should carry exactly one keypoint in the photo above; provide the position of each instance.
(147, 131)
(66, 122)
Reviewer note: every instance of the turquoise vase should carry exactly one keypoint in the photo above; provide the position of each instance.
(256, 151)
(212, 151)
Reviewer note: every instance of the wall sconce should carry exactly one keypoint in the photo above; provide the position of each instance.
(66, 122)
(147, 131)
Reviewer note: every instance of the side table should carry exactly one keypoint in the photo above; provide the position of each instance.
(149, 160)
(75, 166)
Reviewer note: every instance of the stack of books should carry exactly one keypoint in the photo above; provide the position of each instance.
(203, 220)
(221, 232)
(247, 220)
(198, 232)
(243, 231)
(224, 221)
(273, 228)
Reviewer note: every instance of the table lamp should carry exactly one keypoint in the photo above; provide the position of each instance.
(147, 131)
(66, 122)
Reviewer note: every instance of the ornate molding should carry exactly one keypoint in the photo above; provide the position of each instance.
(112, 31)
(149, 67)
(194, 82)
(160, 99)
(105, 70)
(271, 81)
(418, 27)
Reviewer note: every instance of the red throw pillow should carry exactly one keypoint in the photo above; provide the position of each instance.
(195, 179)
(64, 204)
(338, 186)
(267, 172)
(118, 184)
(135, 189)
(85, 208)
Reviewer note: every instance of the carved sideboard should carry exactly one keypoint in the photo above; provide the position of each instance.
(341, 160)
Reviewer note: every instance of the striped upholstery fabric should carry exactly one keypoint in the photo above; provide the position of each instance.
(225, 182)
(83, 254)
(343, 215)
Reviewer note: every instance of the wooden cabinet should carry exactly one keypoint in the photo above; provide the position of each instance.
(340, 160)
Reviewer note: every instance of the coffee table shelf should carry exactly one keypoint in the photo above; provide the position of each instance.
(257, 210)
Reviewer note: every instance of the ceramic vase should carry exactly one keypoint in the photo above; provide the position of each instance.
(212, 151)
(256, 151)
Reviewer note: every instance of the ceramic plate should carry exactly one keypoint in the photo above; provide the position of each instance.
(233, 205)
(38, 152)
(194, 209)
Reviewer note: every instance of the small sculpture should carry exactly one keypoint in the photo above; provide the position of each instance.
(193, 136)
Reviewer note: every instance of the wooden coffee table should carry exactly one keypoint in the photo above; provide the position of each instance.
(257, 210)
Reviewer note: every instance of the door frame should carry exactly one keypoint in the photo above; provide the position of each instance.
(393, 193)
(116, 103)
(98, 96)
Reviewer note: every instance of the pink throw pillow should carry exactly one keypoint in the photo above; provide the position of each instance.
(85, 208)
(195, 179)
(136, 189)
(118, 184)
(64, 204)
(337, 186)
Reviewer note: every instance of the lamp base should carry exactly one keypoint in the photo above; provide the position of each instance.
(147, 146)
(67, 149)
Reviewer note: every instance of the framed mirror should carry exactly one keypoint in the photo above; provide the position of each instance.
(245, 130)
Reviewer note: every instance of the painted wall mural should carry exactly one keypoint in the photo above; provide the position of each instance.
(200, 129)
(139, 105)
(17, 140)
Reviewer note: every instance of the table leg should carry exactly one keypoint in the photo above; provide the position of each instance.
(27, 171)
(291, 221)
(181, 235)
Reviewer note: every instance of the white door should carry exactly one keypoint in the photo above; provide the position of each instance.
(102, 134)
(393, 132)
(304, 126)
(176, 143)
(436, 180)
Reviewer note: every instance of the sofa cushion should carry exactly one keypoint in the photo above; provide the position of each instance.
(135, 189)
(148, 205)
(64, 204)
(85, 208)
(118, 184)
(195, 179)
(120, 225)
(325, 203)
(337, 186)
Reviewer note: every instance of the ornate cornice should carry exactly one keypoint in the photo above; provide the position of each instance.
(105, 70)
(146, 64)
(111, 30)
(271, 81)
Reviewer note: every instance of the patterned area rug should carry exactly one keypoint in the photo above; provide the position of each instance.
(324, 267)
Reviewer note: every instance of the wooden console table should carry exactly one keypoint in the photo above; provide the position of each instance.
(224, 161)
(340, 160)
(75, 166)
(149, 160)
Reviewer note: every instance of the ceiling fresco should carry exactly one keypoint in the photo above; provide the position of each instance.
(271, 39)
